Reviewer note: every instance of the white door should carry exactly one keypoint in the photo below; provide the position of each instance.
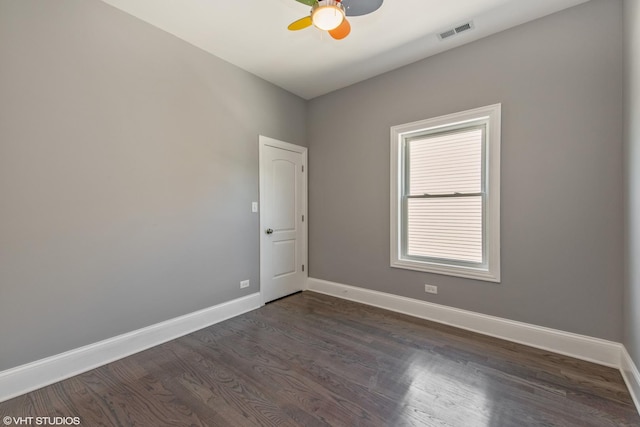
(283, 200)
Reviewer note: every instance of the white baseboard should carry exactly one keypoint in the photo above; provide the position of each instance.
(578, 346)
(32, 376)
(631, 376)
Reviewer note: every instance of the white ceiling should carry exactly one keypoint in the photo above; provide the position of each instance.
(253, 35)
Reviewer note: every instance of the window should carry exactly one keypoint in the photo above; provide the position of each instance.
(445, 194)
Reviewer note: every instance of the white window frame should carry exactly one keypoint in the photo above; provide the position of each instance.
(490, 116)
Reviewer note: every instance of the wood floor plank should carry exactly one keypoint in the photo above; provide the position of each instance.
(290, 375)
(315, 360)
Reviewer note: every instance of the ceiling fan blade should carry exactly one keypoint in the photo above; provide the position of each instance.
(300, 24)
(360, 7)
(341, 31)
(307, 2)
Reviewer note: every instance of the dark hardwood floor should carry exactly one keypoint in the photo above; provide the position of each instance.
(314, 360)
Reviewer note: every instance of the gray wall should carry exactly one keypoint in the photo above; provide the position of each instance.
(559, 80)
(128, 163)
(632, 178)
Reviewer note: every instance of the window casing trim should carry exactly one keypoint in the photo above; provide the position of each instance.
(490, 117)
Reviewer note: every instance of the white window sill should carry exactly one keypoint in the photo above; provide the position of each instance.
(449, 270)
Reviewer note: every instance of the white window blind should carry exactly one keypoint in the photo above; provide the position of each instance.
(444, 195)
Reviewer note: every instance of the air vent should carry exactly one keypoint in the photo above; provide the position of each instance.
(463, 27)
(456, 30)
(447, 34)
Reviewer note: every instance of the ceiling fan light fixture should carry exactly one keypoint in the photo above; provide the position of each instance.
(327, 14)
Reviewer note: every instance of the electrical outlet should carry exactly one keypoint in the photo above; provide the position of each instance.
(244, 284)
(430, 289)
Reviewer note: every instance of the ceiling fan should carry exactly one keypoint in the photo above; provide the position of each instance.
(330, 15)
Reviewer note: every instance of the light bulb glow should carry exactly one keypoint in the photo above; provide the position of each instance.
(327, 14)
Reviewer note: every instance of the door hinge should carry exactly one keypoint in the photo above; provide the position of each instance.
(302, 267)
(302, 168)
(302, 218)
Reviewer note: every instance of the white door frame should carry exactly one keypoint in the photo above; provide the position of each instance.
(264, 141)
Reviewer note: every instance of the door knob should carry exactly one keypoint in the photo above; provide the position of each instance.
(269, 231)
